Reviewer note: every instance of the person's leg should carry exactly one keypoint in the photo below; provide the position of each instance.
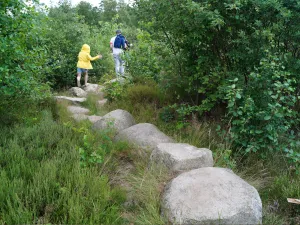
(86, 77)
(117, 64)
(78, 79)
(122, 68)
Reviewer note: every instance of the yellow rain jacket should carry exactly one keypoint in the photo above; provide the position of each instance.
(84, 58)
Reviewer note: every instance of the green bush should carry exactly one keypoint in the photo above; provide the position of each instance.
(144, 93)
(114, 91)
(262, 115)
(23, 57)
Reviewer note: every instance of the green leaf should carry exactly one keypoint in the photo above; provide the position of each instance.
(267, 117)
(238, 96)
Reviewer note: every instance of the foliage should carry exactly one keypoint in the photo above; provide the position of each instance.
(262, 113)
(114, 91)
(143, 60)
(42, 180)
(22, 58)
(65, 45)
(77, 26)
(87, 158)
(144, 93)
(212, 43)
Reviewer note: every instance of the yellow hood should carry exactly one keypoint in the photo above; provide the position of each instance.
(84, 58)
(86, 48)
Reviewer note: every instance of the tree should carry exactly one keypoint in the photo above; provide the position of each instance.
(91, 14)
(108, 9)
(22, 58)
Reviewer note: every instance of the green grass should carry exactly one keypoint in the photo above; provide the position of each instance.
(42, 180)
(146, 183)
(91, 103)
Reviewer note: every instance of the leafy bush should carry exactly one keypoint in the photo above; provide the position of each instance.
(143, 59)
(23, 57)
(262, 115)
(114, 91)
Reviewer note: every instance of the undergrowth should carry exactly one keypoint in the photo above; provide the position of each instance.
(43, 179)
(272, 176)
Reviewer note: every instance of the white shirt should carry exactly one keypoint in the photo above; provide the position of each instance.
(116, 51)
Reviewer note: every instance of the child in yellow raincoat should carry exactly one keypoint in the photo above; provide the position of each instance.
(84, 63)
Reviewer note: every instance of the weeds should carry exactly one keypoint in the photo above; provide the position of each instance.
(147, 182)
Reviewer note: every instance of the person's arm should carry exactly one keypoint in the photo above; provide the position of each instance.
(111, 43)
(123, 43)
(94, 58)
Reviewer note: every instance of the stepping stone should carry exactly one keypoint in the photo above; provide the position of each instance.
(78, 92)
(121, 80)
(79, 117)
(118, 119)
(211, 196)
(182, 157)
(78, 110)
(102, 102)
(73, 100)
(93, 88)
(144, 135)
(94, 118)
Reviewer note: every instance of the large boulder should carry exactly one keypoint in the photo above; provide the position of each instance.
(94, 118)
(182, 157)
(144, 135)
(73, 100)
(94, 89)
(78, 110)
(78, 92)
(79, 117)
(211, 196)
(118, 120)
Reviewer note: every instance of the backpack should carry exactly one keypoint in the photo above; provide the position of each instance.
(119, 41)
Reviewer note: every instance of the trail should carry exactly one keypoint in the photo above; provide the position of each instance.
(199, 193)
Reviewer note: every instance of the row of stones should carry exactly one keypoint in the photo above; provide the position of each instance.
(200, 194)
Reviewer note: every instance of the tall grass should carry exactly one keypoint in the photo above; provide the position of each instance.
(42, 180)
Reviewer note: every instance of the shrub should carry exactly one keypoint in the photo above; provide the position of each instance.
(143, 93)
(114, 91)
(261, 115)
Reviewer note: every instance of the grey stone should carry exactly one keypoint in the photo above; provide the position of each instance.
(79, 117)
(72, 99)
(78, 92)
(118, 119)
(94, 118)
(102, 102)
(144, 135)
(121, 80)
(211, 196)
(182, 157)
(93, 88)
(78, 110)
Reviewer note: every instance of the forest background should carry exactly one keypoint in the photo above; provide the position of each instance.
(233, 64)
